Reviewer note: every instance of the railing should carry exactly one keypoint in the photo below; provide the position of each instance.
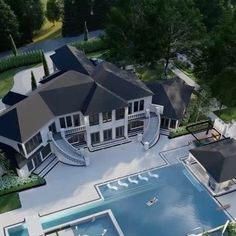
(72, 158)
(74, 130)
(136, 116)
(157, 110)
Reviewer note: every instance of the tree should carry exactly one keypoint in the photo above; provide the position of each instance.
(86, 35)
(33, 81)
(157, 29)
(13, 45)
(9, 25)
(54, 11)
(216, 64)
(45, 65)
(30, 15)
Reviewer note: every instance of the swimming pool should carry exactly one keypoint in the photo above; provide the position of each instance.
(18, 230)
(182, 206)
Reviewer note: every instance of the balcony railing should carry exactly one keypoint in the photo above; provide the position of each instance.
(73, 130)
(136, 116)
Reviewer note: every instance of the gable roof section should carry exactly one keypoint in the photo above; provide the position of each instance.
(219, 159)
(11, 98)
(173, 94)
(69, 58)
(125, 84)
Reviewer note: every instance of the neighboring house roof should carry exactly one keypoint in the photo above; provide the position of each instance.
(173, 94)
(125, 84)
(219, 159)
(11, 98)
(69, 58)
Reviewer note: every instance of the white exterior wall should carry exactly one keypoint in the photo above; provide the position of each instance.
(228, 130)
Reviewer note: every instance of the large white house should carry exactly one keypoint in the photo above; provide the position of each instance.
(82, 107)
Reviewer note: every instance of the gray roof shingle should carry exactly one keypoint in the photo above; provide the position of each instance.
(219, 159)
(173, 94)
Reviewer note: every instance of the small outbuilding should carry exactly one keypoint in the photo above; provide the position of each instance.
(218, 161)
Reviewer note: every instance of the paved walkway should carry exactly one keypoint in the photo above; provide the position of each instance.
(184, 77)
(51, 45)
(69, 186)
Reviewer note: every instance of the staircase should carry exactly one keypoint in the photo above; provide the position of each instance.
(47, 166)
(66, 153)
(152, 132)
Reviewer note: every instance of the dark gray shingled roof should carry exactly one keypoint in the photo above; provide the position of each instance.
(219, 159)
(125, 84)
(69, 58)
(11, 98)
(173, 94)
(107, 88)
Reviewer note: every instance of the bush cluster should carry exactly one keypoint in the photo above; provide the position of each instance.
(21, 59)
(92, 45)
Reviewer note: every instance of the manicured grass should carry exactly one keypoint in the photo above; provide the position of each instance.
(227, 115)
(48, 31)
(9, 202)
(6, 79)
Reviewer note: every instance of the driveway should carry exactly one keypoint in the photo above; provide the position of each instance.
(52, 45)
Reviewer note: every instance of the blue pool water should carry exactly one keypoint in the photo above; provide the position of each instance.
(19, 230)
(96, 227)
(182, 205)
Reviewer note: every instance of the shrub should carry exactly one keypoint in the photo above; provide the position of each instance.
(92, 45)
(12, 183)
(21, 59)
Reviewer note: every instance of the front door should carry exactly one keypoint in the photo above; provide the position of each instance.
(52, 128)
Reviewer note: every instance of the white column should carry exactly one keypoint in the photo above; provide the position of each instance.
(126, 122)
(23, 172)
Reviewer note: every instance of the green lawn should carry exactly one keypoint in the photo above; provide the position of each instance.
(9, 202)
(227, 115)
(6, 79)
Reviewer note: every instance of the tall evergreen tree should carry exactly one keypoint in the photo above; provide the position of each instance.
(30, 15)
(9, 25)
(45, 65)
(13, 45)
(54, 11)
(86, 34)
(33, 81)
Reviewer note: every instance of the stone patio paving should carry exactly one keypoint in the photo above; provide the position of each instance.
(69, 186)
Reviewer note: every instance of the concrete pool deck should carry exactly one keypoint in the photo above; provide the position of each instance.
(69, 186)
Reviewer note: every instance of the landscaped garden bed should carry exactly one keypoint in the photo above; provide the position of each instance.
(10, 183)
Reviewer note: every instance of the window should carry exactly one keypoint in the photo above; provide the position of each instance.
(62, 123)
(73, 139)
(130, 108)
(37, 160)
(95, 138)
(136, 106)
(120, 113)
(106, 116)
(76, 120)
(135, 125)
(46, 151)
(30, 165)
(107, 134)
(20, 149)
(120, 132)
(33, 143)
(162, 121)
(52, 128)
(94, 119)
(68, 121)
(141, 105)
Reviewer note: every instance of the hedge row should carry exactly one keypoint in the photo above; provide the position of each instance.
(21, 59)
(92, 45)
